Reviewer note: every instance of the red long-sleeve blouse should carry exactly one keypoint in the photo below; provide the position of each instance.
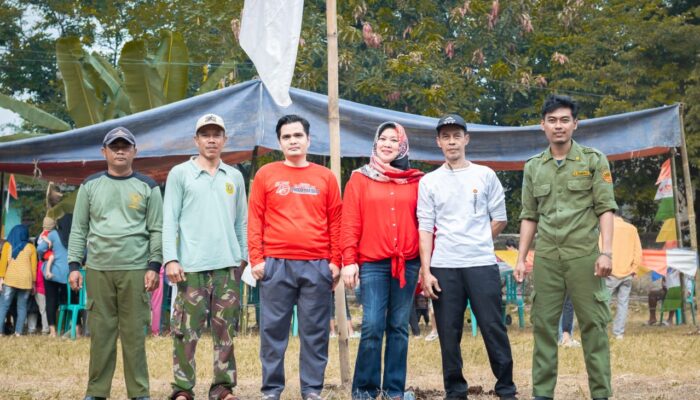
(379, 222)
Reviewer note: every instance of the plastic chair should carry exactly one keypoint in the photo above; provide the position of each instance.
(295, 322)
(672, 302)
(691, 301)
(513, 298)
(73, 308)
(473, 318)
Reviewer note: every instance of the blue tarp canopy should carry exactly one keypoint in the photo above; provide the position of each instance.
(164, 134)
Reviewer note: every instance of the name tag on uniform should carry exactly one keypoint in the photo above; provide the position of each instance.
(582, 173)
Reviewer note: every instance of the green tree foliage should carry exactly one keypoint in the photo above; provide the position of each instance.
(493, 61)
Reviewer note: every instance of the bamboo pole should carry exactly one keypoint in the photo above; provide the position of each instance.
(688, 187)
(246, 289)
(678, 216)
(676, 199)
(2, 206)
(688, 191)
(334, 132)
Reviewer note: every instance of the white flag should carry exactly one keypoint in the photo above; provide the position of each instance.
(665, 189)
(270, 32)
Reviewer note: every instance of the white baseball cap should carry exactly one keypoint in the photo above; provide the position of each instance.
(209, 119)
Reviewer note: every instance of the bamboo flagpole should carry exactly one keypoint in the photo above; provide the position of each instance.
(676, 198)
(688, 192)
(334, 132)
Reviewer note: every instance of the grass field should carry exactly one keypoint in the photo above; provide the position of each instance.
(650, 363)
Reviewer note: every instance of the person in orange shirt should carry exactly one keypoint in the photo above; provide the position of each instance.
(294, 218)
(17, 275)
(627, 256)
(380, 235)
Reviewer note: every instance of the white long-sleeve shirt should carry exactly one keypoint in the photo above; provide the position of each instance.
(459, 205)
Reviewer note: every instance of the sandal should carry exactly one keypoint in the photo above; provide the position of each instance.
(226, 394)
(182, 393)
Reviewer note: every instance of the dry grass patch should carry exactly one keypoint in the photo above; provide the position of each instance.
(650, 363)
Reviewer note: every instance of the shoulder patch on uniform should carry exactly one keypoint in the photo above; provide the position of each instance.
(538, 155)
(146, 179)
(94, 176)
(589, 150)
(607, 176)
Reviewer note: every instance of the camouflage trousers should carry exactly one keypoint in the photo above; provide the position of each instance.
(208, 294)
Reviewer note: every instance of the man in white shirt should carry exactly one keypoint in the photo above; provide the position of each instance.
(462, 204)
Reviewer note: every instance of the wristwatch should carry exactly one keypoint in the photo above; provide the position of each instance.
(606, 254)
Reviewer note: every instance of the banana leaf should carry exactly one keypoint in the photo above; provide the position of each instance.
(141, 80)
(110, 83)
(214, 78)
(172, 59)
(33, 114)
(19, 136)
(82, 102)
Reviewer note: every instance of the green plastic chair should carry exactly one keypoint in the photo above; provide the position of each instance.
(691, 301)
(672, 302)
(73, 308)
(473, 318)
(513, 298)
(295, 322)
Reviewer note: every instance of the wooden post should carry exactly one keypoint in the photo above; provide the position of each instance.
(689, 192)
(2, 206)
(678, 216)
(334, 132)
(676, 199)
(246, 288)
(688, 188)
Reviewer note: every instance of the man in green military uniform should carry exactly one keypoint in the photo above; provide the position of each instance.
(568, 199)
(118, 218)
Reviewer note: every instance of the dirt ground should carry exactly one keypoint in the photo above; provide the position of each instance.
(650, 363)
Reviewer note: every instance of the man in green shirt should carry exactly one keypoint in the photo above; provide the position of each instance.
(205, 223)
(568, 199)
(118, 219)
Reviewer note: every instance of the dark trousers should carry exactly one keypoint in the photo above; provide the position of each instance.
(415, 317)
(55, 295)
(482, 287)
(306, 283)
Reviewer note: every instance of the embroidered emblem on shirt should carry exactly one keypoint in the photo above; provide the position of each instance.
(229, 188)
(282, 188)
(135, 201)
(582, 173)
(607, 176)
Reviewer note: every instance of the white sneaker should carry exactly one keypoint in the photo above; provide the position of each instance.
(431, 336)
(571, 343)
(619, 337)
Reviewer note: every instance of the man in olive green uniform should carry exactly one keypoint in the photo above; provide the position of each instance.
(118, 218)
(567, 199)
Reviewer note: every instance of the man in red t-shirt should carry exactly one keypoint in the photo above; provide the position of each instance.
(294, 218)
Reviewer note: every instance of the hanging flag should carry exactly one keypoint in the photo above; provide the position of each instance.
(270, 31)
(665, 189)
(666, 210)
(12, 187)
(683, 260)
(668, 231)
(665, 171)
(11, 191)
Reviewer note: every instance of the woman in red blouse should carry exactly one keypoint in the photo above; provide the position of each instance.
(380, 250)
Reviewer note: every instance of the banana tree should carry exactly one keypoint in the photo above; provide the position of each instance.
(97, 91)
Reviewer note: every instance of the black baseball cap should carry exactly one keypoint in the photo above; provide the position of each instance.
(451, 119)
(119, 133)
